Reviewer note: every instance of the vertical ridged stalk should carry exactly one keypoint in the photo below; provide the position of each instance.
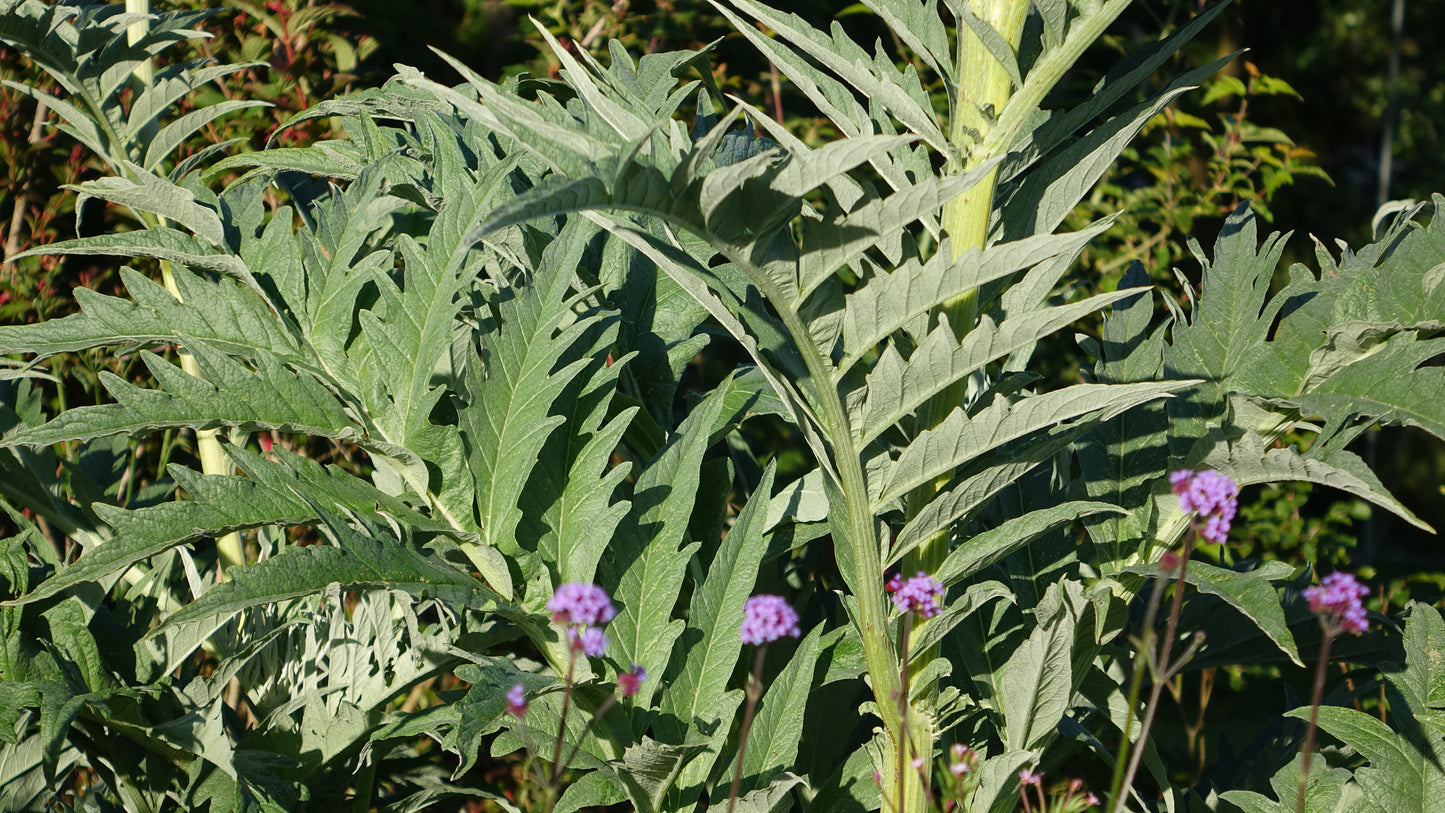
(230, 552)
(983, 89)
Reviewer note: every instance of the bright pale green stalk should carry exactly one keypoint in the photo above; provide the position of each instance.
(984, 87)
(983, 90)
(229, 549)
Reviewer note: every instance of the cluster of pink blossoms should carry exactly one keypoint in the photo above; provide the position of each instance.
(1338, 601)
(1211, 496)
(583, 608)
(921, 594)
(767, 618)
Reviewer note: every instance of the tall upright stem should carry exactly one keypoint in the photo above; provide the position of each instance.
(230, 551)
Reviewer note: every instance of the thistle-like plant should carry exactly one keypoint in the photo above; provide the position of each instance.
(494, 291)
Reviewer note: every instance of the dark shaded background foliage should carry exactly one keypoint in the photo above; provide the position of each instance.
(1317, 71)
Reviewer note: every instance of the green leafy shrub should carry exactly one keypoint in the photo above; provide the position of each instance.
(495, 292)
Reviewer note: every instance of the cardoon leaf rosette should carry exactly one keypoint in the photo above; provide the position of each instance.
(1211, 496)
(1339, 603)
(583, 608)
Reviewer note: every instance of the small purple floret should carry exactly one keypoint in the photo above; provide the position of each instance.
(581, 603)
(1211, 496)
(921, 594)
(768, 618)
(517, 701)
(588, 639)
(1338, 601)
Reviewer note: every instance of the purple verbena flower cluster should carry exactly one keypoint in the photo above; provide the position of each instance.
(583, 608)
(1338, 601)
(1211, 496)
(921, 594)
(768, 618)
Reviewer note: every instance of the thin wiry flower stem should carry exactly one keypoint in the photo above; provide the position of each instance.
(562, 725)
(1307, 751)
(755, 690)
(1136, 686)
(1162, 671)
(591, 721)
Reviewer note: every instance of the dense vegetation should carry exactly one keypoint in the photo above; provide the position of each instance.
(415, 437)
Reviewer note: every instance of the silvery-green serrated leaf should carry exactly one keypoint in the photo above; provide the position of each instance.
(405, 347)
(156, 195)
(835, 243)
(646, 562)
(691, 277)
(161, 243)
(1127, 353)
(566, 147)
(336, 159)
(697, 694)
(778, 725)
(1250, 593)
(1037, 681)
(1422, 681)
(70, 637)
(941, 359)
(1402, 775)
(1249, 460)
(770, 799)
(359, 561)
(1393, 384)
(983, 549)
(961, 438)
(802, 500)
(1050, 190)
(177, 132)
(889, 302)
(233, 319)
(594, 789)
(568, 504)
(506, 419)
(921, 29)
(486, 700)
(933, 633)
(75, 123)
(998, 778)
(579, 79)
(1328, 790)
(834, 99)
(1128, 74)
(648, 769)
(169, 85)
(271, 397)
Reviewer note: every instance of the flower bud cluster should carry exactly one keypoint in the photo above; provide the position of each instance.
(583, 608)
(921, 594)
(1339, 603)
(1211, 496)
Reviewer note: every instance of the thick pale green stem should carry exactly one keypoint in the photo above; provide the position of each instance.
(984, 88)
(230, 551)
